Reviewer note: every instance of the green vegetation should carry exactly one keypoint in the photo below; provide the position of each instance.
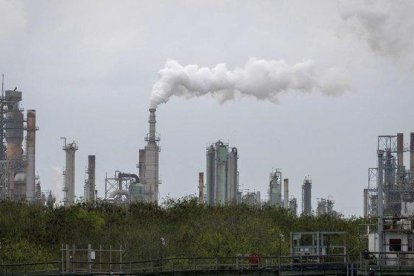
(30, 233)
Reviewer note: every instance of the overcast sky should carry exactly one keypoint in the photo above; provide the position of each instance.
(88, 68)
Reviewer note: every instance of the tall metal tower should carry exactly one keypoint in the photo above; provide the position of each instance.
(307, 196)
(69, 173)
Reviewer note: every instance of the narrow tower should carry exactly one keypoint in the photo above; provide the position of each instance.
(151, 170)
(307, 197)
(69, 173)
(31, 154)
(90, 181)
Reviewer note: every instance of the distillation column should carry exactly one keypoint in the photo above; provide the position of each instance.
(90, 187)
(31, 155)
(307, 197)
(69, 188)
(14, 139)
(286, 193)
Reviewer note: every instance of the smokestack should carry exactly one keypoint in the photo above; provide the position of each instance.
(365, 203)
(31, 155)
(69, 188)
(400, 150)
(152, 121)
(412, 155)
(201, 187)
(151, 161)
(286, 193)
(91, 178)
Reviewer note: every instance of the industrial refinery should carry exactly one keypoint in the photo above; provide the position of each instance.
(218, 185)
(17, 163)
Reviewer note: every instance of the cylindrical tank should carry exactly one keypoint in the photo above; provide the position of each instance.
(221, 169)
(136, 192)
(232, 184)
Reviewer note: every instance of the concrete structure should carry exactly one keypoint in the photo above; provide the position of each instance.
(221, 174)
(149, 161)
(90, 192)
(275, 188)
(395, 242)
(307, 197)
(69, 173)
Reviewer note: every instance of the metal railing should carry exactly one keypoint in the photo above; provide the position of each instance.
(244, 262)
(30, 268)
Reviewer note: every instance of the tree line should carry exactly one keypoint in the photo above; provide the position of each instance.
(176, 228)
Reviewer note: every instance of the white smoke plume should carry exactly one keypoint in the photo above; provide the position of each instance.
(57, 183)
(262, 79)
(386, 26)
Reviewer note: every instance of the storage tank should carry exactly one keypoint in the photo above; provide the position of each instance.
(232, 177)
(136, 192)
(221, 172)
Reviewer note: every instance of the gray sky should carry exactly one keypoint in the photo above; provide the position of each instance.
(88, 68)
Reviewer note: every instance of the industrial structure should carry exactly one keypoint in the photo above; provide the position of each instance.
(251, 198)
(222, 176)
(69, 172)
(89, 190)
(392, 177)
(293, 206)
(307, 196)
(390, 198)
(275, 188)
(124, 188)
(17, 166)
(325, 207)
(149, 162)
(286, 193)
(201, 188)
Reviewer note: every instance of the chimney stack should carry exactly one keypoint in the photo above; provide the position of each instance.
(201, 187)
(152, 121)
(91, 178)
(400, 150)
(69, 188)
(31, 154)
(286, 193)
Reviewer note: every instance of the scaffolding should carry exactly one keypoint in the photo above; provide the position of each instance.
(397, 180)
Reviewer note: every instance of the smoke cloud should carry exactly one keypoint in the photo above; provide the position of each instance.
(57, 183)
(262, 79)
(386, 26)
